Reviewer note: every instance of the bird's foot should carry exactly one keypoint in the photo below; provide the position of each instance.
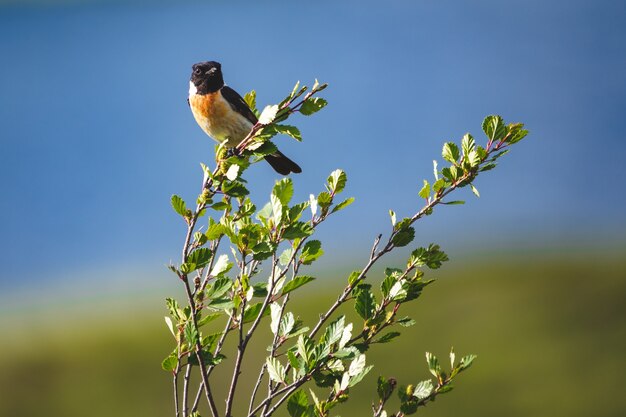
(232, 152)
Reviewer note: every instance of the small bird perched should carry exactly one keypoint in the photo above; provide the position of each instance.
(224, 115)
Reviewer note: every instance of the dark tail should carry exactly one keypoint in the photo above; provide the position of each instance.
(282, 164)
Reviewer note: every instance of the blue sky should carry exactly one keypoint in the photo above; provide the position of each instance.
(95, 132)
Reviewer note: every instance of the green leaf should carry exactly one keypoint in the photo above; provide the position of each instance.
(173, 307)
(268, 115)
(208, 318)
(453, 203)
(294, 361)
(285, 257)
(312, 105)
(439, 185)
(297, 282)
(487, 167)
(277, 209)
(295, 212)
(425, 191)
(305, 349)
(261, 149)
(387, 337)
(170, 325)
(474, 190)
(259, 289)
(187, 268)
(385, 387)
(494, 127)
(466, 362)
(207, 358)
(450, 173)
(199, 238)
(170, 363)
(432, 257)
(219, 288)
(275, 370)
(298, 405)
(221, 266)
(474, 158)
(275, 315)
(261, 251)
(250, 99)
(357, 365)
(201, 257)
(423, 389)
(445, 388)
(516, 133)
(233, 172)
(292, 131)
(220, 205)
(253, 311)
(324, 199)
(406, 322)
(337, 181)
(403, 237)
(298, 230)
(265, 212)
(334, 331)
(365, 304)
(283, 190)
(450, 152)
(499, 154)
(354, 275)
(433, 364)
(358, 377)
(408, 403)
(222, 303)
(208, 342)
(312, 251)
(179, 206)
(290, 327)
(295, 90)
(345, 203)
(191, 333)
(391, 276)
(234, 189)
(313, 204)
(467, 144)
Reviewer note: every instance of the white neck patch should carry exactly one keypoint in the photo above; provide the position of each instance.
(192, 89)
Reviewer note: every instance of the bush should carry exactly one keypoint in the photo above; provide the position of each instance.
(330, 353)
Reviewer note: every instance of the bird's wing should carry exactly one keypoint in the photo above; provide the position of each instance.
(238, 104)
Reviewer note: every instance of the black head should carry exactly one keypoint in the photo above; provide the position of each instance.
(207, 77)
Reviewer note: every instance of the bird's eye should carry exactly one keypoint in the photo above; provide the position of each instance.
(197, 70)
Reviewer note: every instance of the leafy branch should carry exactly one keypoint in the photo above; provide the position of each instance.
(234, 287)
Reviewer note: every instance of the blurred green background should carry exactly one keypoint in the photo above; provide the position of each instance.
(549, 331)
(95, 135)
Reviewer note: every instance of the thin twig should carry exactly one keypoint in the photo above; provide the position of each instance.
(186, 389)
(176, 406)
(218, 349)
(256, 387)
(203, 372)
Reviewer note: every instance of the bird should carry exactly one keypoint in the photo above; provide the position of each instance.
(224, 115)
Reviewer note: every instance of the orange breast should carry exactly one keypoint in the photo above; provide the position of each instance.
(215, 116)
